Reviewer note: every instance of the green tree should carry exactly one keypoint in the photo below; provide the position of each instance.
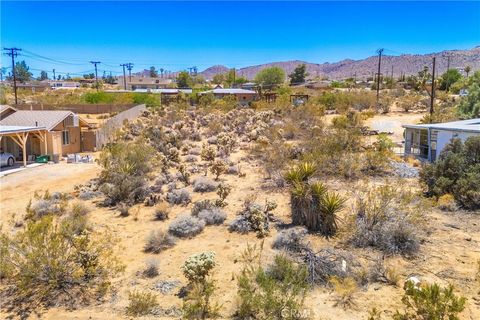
(448, 78)
(232, 79)
(470, 105)
(184, 80)
(86, 76)
(299, 74)
(22, 72)
(467, 70)
(153, 72)
(219, 78)
(270, 76)
(43, 75)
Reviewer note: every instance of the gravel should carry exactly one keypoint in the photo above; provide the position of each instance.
(404, 170)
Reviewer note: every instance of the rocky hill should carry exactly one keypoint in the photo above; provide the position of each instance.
(403, 64)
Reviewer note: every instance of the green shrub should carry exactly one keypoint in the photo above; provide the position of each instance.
(457, 171)
(198, 304)
(125, 166)
(274, 292)
(430, 302)
(141, 303)
(197, 267)
(98, 97)
(52, 261)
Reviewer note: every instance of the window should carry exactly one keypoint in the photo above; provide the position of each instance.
(65, 137)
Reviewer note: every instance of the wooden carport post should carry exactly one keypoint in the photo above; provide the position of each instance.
(42, 135)
(21, 140)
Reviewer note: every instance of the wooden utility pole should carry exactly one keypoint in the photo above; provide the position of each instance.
(379, 51)
(12, 52)
(129, 68)
(432, 94)
(54, 75)
(233, 84)
(124, 77)
(96, 75)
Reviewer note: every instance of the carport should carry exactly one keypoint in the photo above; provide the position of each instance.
(20, 134)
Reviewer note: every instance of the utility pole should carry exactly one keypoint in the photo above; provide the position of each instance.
(432, 94)
(124, 77)
(379, 51)
(54, 75)
(234, 76)
(129, 68)
(96, 75)
(448, 68)
(392, 72)
(12, 52)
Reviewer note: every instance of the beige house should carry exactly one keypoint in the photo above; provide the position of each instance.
(243, 96)
(63, 133)
(143, 83)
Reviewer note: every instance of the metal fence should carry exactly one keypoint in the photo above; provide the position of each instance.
(107, 130)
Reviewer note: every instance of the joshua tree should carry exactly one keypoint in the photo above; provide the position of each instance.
(467, 70)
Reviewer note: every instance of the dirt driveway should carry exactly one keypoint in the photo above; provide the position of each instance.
(17, 188)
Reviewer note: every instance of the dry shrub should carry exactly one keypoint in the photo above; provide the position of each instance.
(46, 204)
(344, 289)
(141, 303)
(446, 202)
(253, 217)
(384, 219)
(276, 291)
(159, 241)
(162, 211)
(151, 268)
(54, 262)
(291, 240)
(179, 196)
(328, 262)
(204, 184)
(213, 216)
(186, 226)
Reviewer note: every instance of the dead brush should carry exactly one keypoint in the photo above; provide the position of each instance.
(344, 289)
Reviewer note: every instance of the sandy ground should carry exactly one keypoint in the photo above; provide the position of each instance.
(18, 188)
(450, 249)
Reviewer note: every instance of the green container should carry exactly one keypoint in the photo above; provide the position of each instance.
(42, 159)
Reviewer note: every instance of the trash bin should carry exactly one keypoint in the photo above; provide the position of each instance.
(56, 158)
(42, 159)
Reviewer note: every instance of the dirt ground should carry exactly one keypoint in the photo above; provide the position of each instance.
(449, 251)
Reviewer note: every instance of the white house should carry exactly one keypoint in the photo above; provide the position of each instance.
(426, 141)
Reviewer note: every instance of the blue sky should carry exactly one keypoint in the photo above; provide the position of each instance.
(176, 35)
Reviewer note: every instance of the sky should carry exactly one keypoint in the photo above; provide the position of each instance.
(176, 35)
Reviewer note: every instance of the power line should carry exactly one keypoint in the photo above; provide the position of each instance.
(12, 52)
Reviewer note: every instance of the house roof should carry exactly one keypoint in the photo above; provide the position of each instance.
(471, 125)
(229, 91)
(5, 107)
(37, 118)
(18, 129)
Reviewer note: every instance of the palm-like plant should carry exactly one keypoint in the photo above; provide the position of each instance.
(301, 172)
(330, 204)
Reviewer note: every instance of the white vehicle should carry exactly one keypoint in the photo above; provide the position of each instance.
(6, 159)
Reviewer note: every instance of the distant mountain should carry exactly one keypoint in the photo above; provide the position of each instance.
(404, 64)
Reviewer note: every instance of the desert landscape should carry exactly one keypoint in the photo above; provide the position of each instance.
(248, 160)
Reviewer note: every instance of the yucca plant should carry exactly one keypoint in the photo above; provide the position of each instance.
(330, 204)
(300, 173)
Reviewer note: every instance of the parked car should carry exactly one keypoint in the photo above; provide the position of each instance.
(6, 159)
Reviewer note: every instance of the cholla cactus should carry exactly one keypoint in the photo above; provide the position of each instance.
(217, 168)
(197, 267)
(225, 143)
